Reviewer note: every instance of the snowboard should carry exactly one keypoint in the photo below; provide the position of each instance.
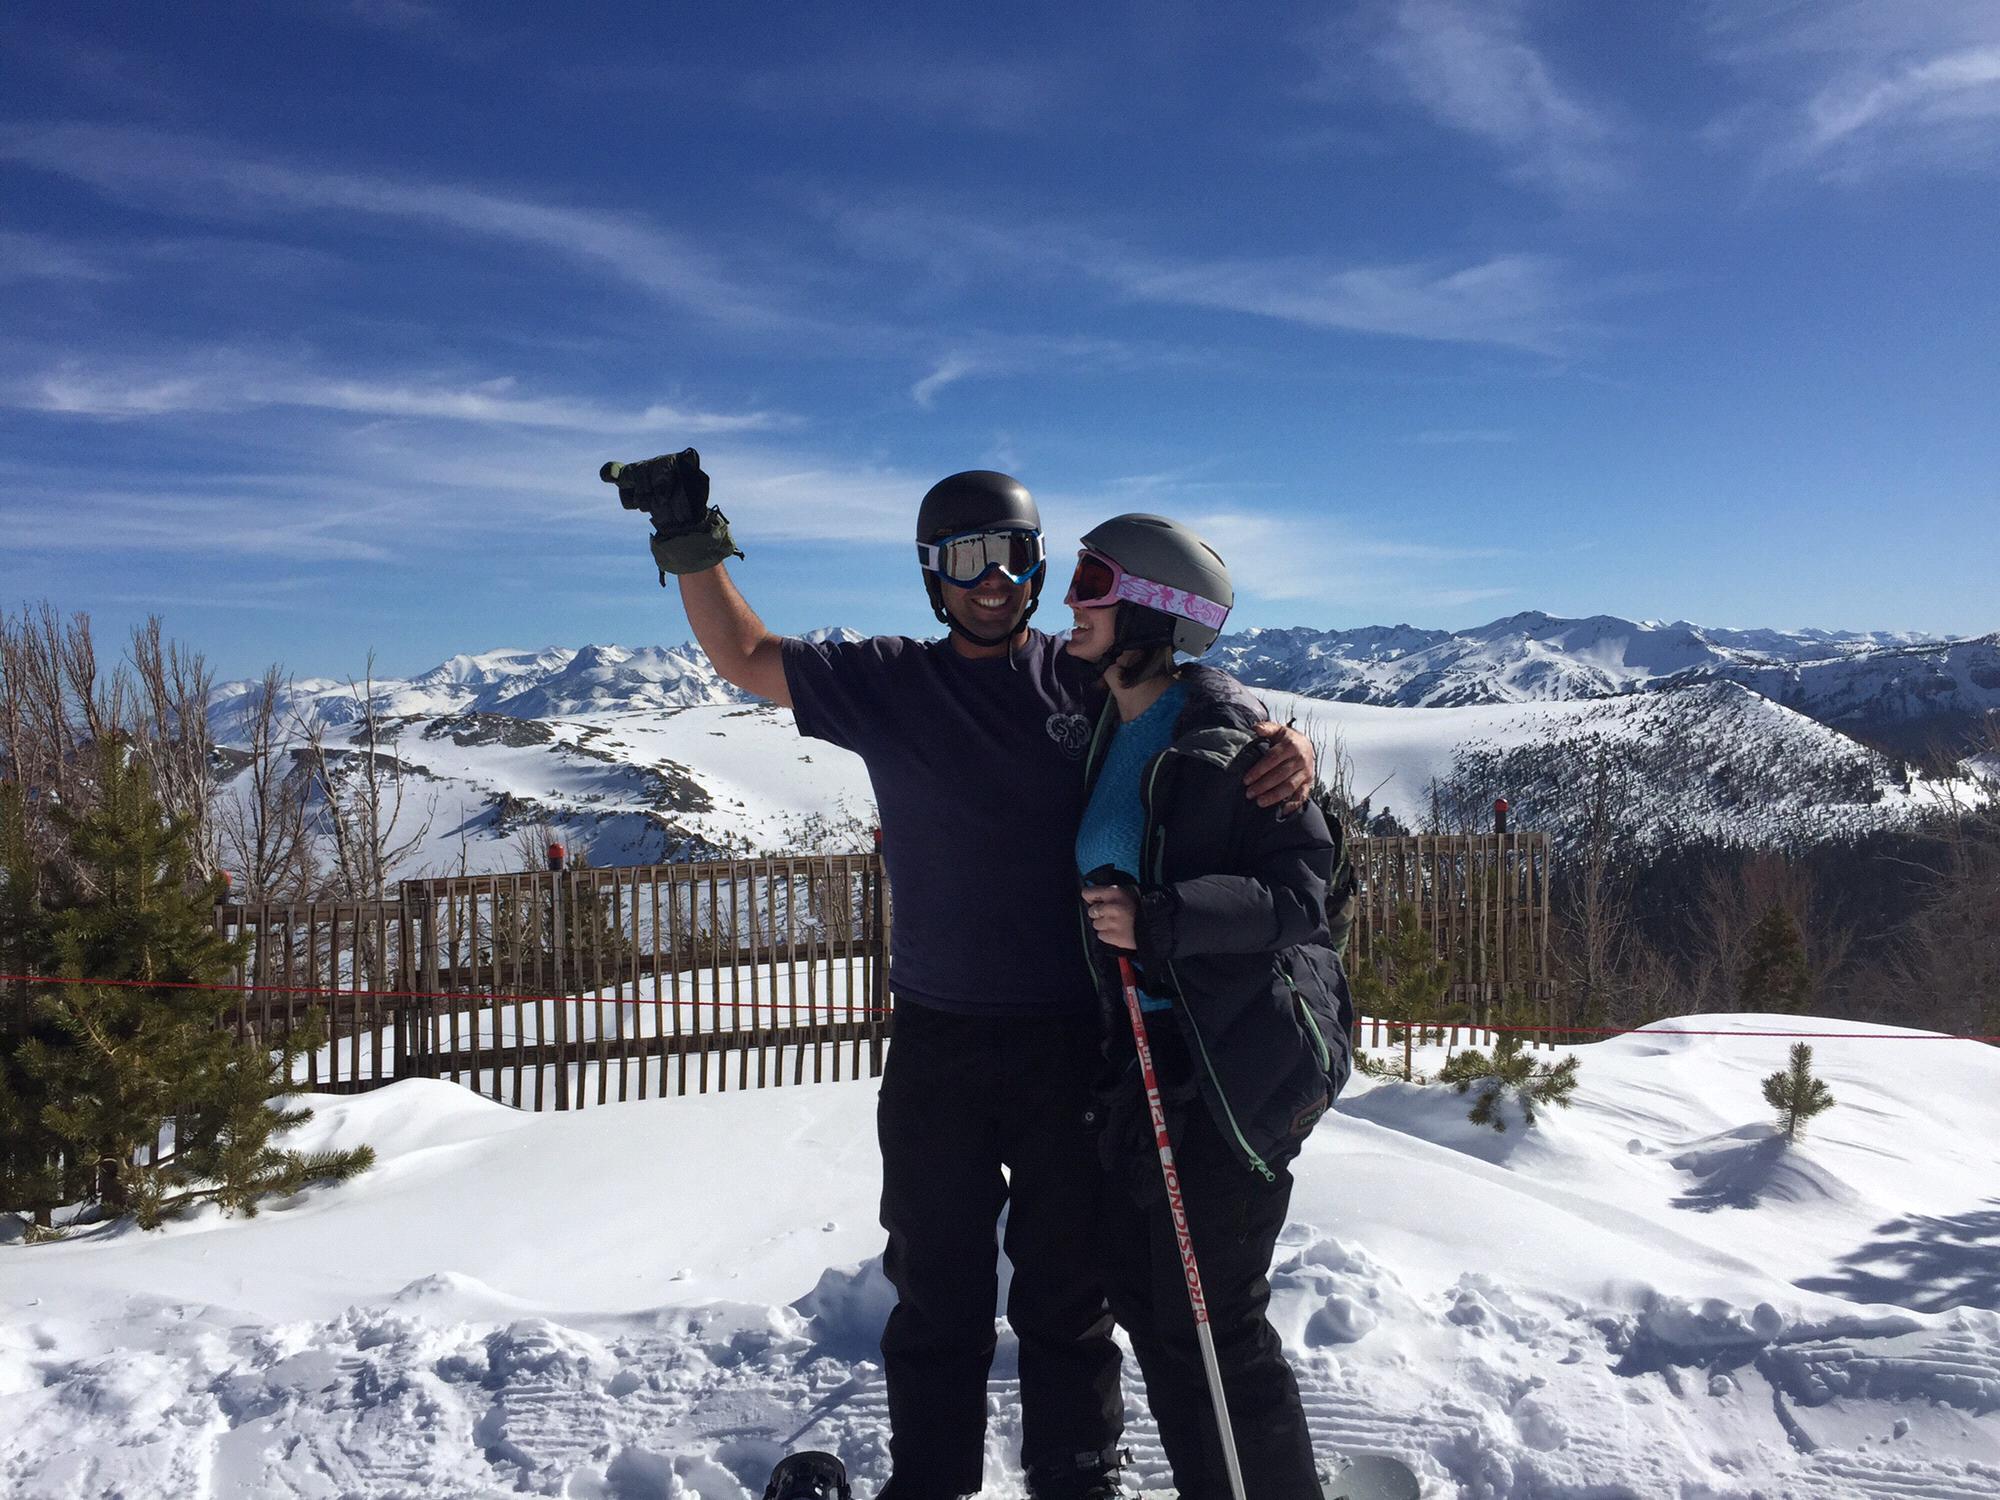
(821, 1476)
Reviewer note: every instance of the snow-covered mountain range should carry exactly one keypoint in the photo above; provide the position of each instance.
(1897, 691)
(642, 754)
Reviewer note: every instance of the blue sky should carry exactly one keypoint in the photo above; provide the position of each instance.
(316, 319)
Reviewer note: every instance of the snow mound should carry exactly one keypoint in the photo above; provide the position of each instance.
(1753, 1165)
(848, 1308)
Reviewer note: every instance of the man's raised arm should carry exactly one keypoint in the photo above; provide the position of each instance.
(741, 646)
(690, 540)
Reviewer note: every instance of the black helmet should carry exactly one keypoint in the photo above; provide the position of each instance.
(977, 500)
(1167, 554)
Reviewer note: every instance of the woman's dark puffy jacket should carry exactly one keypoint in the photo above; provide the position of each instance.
(1232, 929)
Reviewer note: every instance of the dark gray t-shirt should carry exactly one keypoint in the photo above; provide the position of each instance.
(978, 774)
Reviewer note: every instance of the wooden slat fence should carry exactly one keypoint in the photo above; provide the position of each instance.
(1484, 901)
(565, 990)
(560, 990)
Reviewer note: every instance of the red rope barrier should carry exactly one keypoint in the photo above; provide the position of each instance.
(477, 996)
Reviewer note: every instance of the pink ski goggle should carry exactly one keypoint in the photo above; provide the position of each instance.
(1099, 582)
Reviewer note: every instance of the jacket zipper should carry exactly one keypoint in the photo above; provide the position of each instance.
(1256, 1162)
(1320, 1049)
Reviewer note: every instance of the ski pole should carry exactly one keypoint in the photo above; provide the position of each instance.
(1177, 1206)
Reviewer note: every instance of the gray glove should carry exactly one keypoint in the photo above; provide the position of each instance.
(689, 534)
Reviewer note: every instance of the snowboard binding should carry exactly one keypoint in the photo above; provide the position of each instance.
(808, 1476)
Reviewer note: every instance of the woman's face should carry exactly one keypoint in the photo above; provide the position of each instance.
(1092, 634)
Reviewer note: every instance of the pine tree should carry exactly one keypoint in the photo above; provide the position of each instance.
(1510, 1069)
(1405, 981)
(28, 1150)
(1796, 1094)
(1776, 976)
(134, 1039)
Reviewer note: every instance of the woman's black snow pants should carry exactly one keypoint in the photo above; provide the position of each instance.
(1234, 1217)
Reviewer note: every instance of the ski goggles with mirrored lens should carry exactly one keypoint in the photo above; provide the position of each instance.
(968, 557)
(1099, 583)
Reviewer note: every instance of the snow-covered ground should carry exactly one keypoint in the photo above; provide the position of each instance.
(1645, 1296)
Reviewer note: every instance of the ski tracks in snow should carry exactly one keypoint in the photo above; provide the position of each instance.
(1547, 1400)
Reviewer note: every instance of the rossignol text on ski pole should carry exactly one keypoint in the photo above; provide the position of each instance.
(1178, 1208)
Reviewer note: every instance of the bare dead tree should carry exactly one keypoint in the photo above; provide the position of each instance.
(1594, 953)
(54, 707)
(171, 734)
(362, 795)
(1333, 770)
(532, 840)
(1948, 960)
(263, 826)
(1733, 897)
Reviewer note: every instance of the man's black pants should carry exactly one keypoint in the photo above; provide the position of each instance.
(1234, 1217)
(961, 1096)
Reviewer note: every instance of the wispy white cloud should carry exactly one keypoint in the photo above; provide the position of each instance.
(90, 63)
(1285, 559)
(527, 481)
(1943, 92)
(1457, 598)
(1513, 300)
(205, 179)
(271, 525)
(1474, 68)
(980, 93)
(1451, 437)
(36, 257)
(1849, 89)
(1275, 553)
(393, 15)
(951, 368)
(267, 595)
(226, 380)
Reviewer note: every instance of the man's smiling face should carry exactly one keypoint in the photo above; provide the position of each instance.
(991, 607)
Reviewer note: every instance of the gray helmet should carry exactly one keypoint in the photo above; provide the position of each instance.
(1179, 564)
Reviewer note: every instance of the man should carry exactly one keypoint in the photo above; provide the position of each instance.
(974, 745)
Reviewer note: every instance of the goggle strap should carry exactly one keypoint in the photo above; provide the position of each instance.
(1172, 601)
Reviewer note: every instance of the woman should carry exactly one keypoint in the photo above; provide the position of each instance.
(1220, 904)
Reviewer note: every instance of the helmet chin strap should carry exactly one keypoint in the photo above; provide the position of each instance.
(1132, 631)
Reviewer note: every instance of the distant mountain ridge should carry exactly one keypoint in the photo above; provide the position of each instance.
(639, 754)
(1914, 701)
(554, 682)
(1523, 658)
(1900, 692)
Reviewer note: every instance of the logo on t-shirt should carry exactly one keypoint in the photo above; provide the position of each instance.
(1071, 732)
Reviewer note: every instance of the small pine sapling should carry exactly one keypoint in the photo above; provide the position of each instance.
(1796, 1094)
(1510, 1069)
(1404, 981)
